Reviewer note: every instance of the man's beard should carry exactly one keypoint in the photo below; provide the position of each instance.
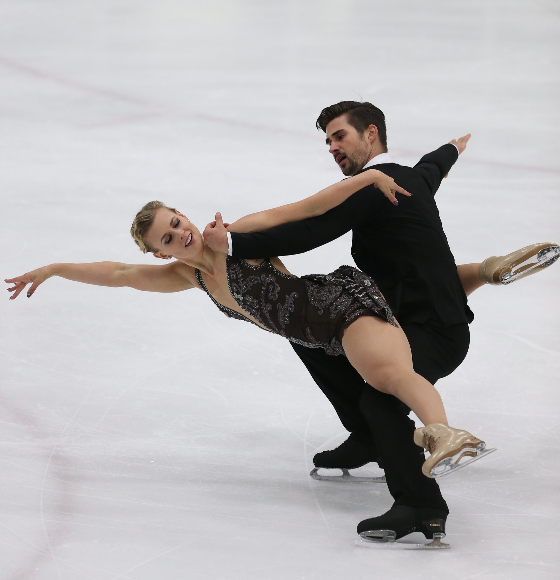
(352, 167)
(359, 158)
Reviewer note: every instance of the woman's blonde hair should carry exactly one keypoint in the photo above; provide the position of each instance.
(143, 222)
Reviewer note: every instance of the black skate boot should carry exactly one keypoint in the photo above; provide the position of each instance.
(355, 452)
(399, 521)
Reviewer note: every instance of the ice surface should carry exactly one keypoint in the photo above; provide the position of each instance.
(147, 436)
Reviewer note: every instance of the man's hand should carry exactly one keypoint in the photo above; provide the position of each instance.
(215, 235)
(461, 143)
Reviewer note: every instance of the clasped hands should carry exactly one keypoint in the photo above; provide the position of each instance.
(215, 235)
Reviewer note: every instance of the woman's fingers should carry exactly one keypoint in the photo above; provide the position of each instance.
(20, 282)
(390, 189)
(402, 190)
(18, 286)
(17, 289)
(34, 287)
(386, 185)
(17, 279)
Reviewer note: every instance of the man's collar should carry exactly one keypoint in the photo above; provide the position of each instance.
(378, 159)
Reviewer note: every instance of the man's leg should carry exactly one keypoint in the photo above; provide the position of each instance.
(436, 352)
(343, 387)
(402, 459)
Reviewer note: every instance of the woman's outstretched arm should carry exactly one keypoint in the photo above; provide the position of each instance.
(172, 277)
(319, 203)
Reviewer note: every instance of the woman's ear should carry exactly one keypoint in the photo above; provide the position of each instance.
(181, 214)
(162, 256)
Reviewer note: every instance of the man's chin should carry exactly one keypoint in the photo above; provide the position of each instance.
(345, 167)
(348, 170)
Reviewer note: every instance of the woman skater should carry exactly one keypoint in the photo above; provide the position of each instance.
(343, 312)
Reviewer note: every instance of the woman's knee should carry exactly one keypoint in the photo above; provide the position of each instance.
(387, 380)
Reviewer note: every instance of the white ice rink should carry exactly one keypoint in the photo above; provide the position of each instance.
(147, 436)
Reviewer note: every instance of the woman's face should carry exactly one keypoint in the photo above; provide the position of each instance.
(174, 235)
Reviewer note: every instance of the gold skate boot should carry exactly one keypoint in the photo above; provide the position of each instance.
(523, 262)
(449, 448)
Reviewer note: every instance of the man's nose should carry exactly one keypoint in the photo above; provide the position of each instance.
(333, 147)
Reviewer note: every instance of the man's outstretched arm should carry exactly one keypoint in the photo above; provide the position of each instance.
(319, 203)
(297, 237)
(434, 166)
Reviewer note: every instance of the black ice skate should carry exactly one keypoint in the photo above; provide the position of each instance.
(401, 520)
(353, 453)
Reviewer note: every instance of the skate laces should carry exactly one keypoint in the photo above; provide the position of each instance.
(430, 442)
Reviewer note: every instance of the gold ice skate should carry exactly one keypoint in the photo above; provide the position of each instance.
(517, 265)
(450, 449)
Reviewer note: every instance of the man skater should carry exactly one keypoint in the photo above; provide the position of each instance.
(405, 250)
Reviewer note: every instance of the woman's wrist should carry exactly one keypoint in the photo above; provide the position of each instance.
(53, 270)
(371, 176)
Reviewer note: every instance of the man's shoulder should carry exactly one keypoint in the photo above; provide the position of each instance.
(390, 168)
(408, 177)
(379, 166)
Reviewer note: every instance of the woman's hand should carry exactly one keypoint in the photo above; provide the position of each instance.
(387, 186)
(35, 278)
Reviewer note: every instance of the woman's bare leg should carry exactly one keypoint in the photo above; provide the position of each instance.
(381, 354)
(468, 273)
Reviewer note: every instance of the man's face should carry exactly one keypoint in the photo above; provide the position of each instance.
(349, 148)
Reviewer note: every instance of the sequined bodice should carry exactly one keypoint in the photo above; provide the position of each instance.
(311, 310)
(256, 290)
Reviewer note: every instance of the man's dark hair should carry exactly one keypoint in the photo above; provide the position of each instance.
(359, 115)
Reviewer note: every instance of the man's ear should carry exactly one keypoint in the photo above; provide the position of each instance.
(162, 256)
(372, 133)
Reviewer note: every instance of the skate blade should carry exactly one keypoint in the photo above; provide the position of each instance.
(385, 539)
(346, 477)
(460, 460)
(545, 257)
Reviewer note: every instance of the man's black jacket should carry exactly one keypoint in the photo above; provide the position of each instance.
(404, 248)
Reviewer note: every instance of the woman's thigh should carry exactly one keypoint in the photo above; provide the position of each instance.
(376, 349)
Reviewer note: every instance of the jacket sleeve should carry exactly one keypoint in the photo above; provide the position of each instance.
(434, 166)
(303, 236)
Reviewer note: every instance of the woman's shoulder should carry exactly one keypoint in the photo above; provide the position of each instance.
(185, 271)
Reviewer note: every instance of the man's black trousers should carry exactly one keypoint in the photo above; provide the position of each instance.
(436, 352)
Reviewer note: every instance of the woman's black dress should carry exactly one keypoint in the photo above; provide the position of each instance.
(310, 310)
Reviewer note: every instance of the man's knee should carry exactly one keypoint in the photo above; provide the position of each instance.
(378, 408)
